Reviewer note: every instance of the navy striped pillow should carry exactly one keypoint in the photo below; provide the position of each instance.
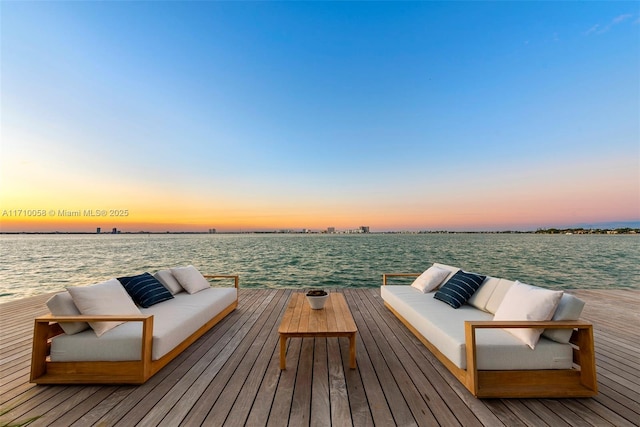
(145, 290)
(459, 288)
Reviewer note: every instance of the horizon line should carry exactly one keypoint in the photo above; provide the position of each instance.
(635, 229)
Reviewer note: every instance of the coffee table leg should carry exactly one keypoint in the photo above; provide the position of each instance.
(352, 351)
(283, 352)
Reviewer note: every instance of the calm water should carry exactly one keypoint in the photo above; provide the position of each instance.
(32, 265)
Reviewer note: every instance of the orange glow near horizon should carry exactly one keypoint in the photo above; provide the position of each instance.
(557, 196)
(194, 220)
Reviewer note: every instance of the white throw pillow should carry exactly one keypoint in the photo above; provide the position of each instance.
(107, 297)
(569, 308)
(526, 302)
(430, 279)
(190, 279)
(62, 305)
(168, 281)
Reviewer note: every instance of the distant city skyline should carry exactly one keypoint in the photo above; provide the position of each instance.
(190, 116)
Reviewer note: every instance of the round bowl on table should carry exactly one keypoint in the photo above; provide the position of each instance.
(318, 301)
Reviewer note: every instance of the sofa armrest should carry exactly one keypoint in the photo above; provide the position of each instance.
(235, 277)
(506, 324)
(95, 318)
(387, 275)
(47, 327)
(582, 339)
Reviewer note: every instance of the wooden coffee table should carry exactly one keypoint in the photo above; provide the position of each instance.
(334, 320)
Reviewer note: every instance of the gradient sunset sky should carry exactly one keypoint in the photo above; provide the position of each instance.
(261, 116)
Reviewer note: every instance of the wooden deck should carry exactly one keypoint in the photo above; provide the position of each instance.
(231, 375)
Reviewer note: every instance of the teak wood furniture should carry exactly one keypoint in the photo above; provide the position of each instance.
(580, 381)
(334, 320)
(44, 371)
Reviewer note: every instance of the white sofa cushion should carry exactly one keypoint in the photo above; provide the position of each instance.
(169, 281)
(103, 298)
(190, 279)
(173, 321)
(452, 270)
(481, 297)
(62, 305)
(497, 295)
(443, 326)
(526, 302)
(569, 308)
(430, 279)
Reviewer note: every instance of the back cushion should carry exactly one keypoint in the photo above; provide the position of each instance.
(190, 279)
(569, 308)
(168, 281)
(481, 297)
(62, 305)
(453, 270)
(497, 295)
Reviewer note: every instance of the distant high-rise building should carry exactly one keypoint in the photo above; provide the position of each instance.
(114, 231)
(98, 230)
(212, 231)
(364, 228)
(331, 229)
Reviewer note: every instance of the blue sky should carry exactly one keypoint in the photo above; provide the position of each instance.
(420, 115)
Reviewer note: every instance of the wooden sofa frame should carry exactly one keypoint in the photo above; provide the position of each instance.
(44, 371)
(580, 381)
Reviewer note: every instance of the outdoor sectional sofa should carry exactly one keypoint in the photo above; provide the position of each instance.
(490, 342)
(123, 331)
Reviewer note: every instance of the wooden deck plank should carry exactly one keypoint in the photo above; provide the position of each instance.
(300, 412)
(320, 399)
(609, 413)
(399, 407)
(357, 407)
(190, 386)
(242, 367)
(433, 381)
(547, 414)
(58, 404)
(77, 412)
(113, 397)
(197, 403)
(263, 403)
(157, 387)
(246, 397)
(281, 403)
(266, 381)
(358, 404)
(421, 412)
(231, 375)
(339, 392)
(372, 387)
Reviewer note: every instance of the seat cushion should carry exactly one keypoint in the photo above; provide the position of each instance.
(173, 322)
(443, 326)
